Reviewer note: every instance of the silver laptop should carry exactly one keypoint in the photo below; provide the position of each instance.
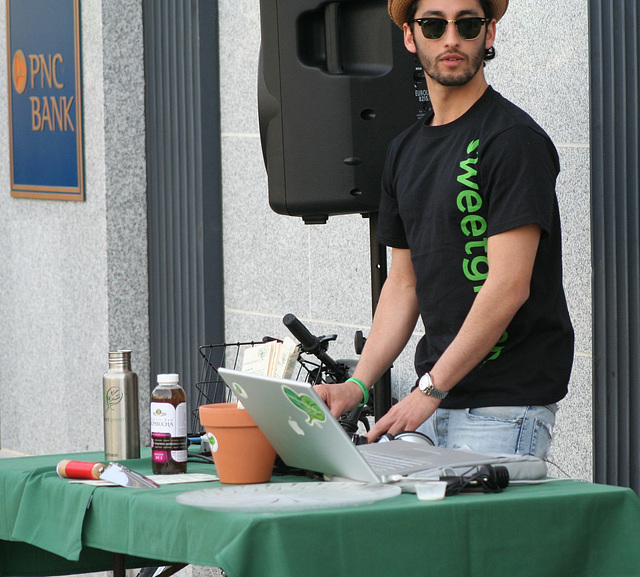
(306, 435)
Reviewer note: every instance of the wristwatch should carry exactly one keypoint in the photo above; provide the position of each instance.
(427, 387)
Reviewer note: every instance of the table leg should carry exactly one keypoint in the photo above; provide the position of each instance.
(119, 565)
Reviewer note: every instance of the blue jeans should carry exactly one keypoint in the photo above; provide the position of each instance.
(512, 430)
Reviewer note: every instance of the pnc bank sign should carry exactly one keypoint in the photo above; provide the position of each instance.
(45, 112)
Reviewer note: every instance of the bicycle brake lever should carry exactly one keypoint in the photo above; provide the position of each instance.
(324, 340)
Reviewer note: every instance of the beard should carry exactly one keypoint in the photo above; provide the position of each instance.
(431, 68)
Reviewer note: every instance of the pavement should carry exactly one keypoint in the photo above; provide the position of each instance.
(5, 453)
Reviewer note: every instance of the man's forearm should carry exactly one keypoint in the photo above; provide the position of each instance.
(395, 318)
(484, 326)
(393, 324)
(511, 260)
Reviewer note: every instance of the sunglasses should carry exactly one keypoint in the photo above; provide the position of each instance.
(434, 28)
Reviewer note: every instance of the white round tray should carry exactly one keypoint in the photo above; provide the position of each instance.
(287, 496)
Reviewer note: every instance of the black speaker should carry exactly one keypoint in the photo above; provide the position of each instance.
(335, 85)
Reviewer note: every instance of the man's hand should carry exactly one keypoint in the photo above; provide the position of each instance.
(407, 415)
(340, 398)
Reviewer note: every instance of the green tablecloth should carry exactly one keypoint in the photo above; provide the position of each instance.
(49, 526)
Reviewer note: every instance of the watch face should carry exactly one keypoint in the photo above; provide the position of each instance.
(426, 386)
(425, 382)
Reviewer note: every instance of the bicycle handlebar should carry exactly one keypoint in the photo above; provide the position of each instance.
(311, 344)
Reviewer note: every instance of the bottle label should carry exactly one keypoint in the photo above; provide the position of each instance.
(112, 402)
(168, 432)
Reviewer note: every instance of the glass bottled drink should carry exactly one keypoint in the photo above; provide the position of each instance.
(168, 426)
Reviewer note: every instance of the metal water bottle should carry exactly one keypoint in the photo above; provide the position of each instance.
(121, 421)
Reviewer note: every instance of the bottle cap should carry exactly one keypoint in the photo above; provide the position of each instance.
(120, 357)
(167, 379)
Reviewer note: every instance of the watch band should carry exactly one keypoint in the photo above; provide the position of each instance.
(427, 387)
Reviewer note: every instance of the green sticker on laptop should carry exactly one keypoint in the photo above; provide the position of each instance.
(306, 404)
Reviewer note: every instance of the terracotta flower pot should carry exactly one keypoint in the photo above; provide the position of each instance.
(240, 450)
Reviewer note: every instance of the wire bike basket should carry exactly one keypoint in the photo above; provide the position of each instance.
(211, 387)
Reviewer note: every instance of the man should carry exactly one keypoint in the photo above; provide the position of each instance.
(469, 208)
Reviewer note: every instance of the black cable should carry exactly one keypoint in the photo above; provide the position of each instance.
(483, 478)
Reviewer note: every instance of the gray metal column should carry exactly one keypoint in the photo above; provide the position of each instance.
(615, 159)
(184, 184)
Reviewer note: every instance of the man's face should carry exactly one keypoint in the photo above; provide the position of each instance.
(450, 60)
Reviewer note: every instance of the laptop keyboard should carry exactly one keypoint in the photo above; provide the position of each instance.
(383, 464)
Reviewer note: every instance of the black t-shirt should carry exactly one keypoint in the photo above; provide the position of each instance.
(445, 190)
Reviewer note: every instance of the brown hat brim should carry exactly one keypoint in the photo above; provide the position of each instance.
(398, 9)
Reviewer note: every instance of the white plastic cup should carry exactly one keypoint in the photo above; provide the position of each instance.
(431, 490)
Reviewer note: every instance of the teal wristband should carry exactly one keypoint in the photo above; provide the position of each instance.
(365, 391)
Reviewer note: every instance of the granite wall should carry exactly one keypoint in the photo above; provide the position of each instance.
(74, 273)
